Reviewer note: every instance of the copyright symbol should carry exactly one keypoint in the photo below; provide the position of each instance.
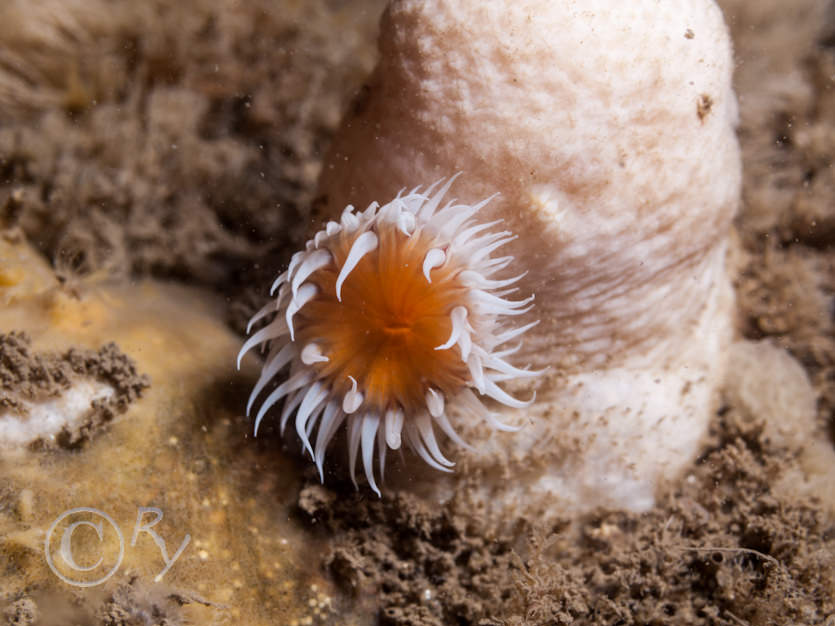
(86, 541)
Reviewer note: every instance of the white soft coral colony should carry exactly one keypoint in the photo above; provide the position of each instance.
(383, 319)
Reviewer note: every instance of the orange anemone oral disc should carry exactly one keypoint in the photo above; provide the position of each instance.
(385, 330)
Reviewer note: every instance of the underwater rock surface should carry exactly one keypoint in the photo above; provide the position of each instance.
(204, 514)
(182, 143)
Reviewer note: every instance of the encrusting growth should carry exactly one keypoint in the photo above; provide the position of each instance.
(384, 319)
(622, 190)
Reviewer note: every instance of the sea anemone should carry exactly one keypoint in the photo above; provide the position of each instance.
(384, 319)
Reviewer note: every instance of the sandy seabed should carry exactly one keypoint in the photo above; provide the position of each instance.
(158, 165)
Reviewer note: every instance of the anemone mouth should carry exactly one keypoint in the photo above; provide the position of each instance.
(385, 317)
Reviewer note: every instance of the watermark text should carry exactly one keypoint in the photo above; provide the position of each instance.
(79, 535)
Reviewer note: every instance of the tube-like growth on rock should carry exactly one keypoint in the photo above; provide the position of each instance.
(608, 129)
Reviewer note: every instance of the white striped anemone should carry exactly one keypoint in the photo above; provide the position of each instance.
(383, 320)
